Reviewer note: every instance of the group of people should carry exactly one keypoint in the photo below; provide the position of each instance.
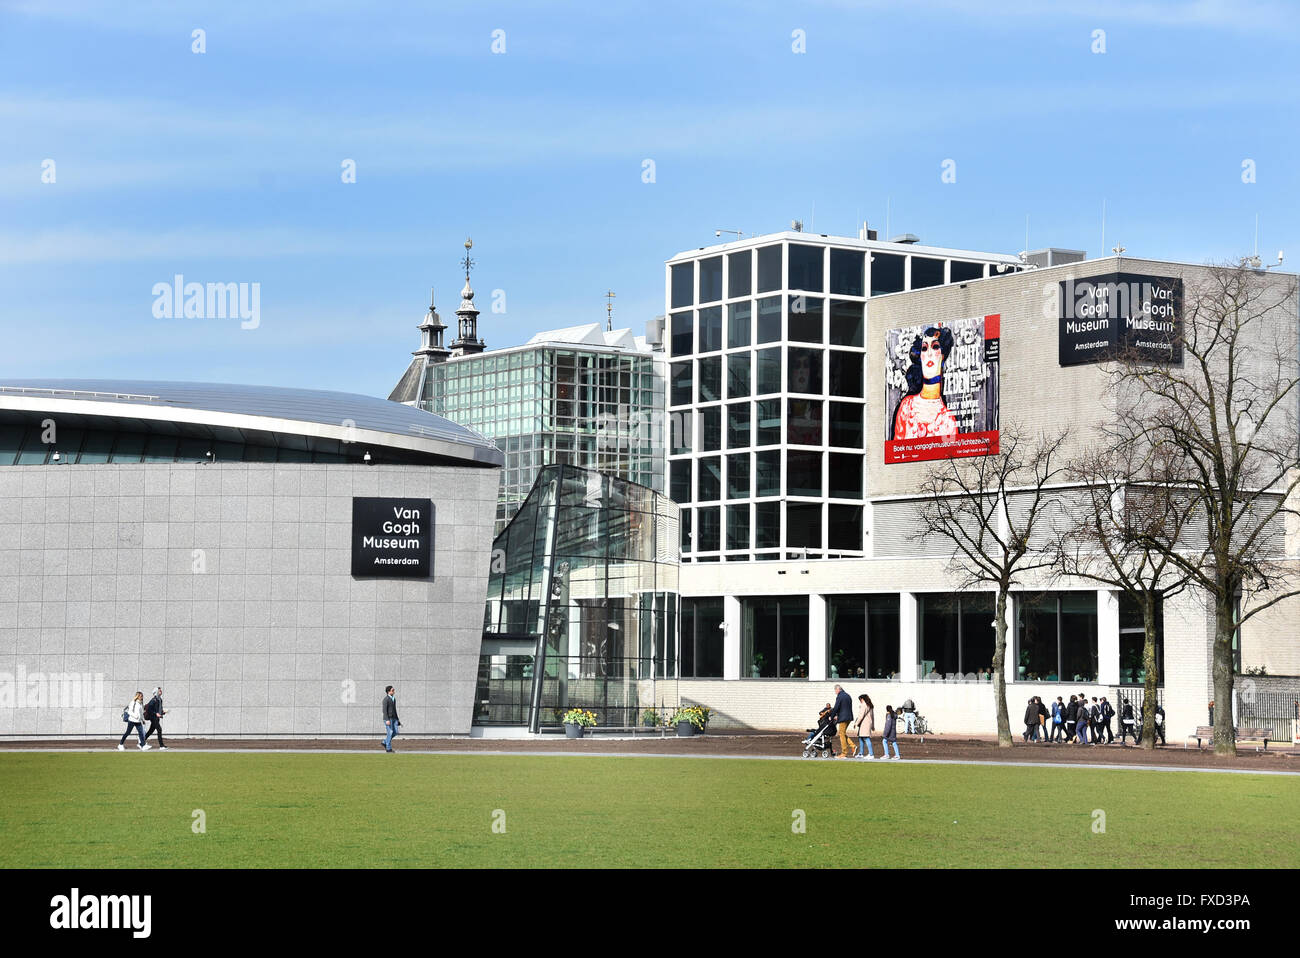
(1085, 723)
(861, 724)
(136, 713)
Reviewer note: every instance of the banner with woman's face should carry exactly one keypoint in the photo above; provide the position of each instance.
(941, 389)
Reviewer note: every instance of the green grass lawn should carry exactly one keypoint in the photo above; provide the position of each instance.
(130, 811)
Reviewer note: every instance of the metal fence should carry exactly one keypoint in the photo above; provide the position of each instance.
(1276, 711)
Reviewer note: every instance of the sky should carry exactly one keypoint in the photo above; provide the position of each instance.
(581, 145)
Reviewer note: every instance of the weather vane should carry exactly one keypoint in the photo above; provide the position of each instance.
(467, 262)
(609, 309)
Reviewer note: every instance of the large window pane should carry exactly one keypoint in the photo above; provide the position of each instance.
(769, 268)
(938, 624)
(883, 660)
(846, 425)
(977, 633)
(683, 335)
(710, 428)
(844, 528)
(804, 427)
(803, 473)
(758, 642)
(926, 272)
(1036, 655)
(1132, 640)
(846, 272)
(710, 479)
(794, 638)
(711, 379)
(679, 471)
(845, 476)
(710, 322)
(738, 527)
(805, 370)
(738, 425)
(769, 320)
(767, 525)
(1079, 636)
(738, 374)
(738, 476)
(767, 474)
(708, 529)
(681, 425)
(960, 272)
(769, 371)
(806, 319)
(682, 381)
(806, 267)
(846, 323)
(710, 279)
(803, 525)
(767, 422)
(846, 373)
(846, 627)
(704, 637)
(683, 286)
(886, 273)
(740, 319)
(738, 274)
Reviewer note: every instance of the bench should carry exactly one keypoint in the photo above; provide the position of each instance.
(1243, 732)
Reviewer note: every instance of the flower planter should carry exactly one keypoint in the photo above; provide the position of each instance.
(573, 731)
(684, 729)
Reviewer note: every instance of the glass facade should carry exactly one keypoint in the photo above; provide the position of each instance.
(551, 405)
(584, 575)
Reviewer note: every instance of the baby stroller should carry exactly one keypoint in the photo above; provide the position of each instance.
(818, 742)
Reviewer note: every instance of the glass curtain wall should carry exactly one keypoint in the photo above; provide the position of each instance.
(587, 571)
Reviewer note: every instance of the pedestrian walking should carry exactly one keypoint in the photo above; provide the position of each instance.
(909, 716)
(390, 717)
(154, 712)
(1042, 720)
(1160, 724)
(1058, 720)
(133, 715)
(1072, 719)
(865, 725)
(1127, 725)
(1030, 734)
(843, 716)
(1107, 713)
(890, 734)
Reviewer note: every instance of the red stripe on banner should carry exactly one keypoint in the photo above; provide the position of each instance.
(993, 326)
(930, 448)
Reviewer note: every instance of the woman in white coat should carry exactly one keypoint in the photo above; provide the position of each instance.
(865, 724)
(135, 720)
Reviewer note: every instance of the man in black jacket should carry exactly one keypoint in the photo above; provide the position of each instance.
(843, 716)
(390, 717)
(154, 711)
(1107, 713)
(1071, 719)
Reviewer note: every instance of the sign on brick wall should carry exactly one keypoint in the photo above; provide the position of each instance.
(1114, 314)
(392, 537)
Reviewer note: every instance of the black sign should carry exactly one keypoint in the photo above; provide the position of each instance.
(1130, 314)
(392, 537)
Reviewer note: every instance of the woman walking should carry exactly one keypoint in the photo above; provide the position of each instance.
(134, 720)
(890, 735)
(865, 725)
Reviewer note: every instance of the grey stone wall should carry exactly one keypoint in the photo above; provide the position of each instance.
(230, 586)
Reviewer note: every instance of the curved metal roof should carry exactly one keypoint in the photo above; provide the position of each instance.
(307, 412)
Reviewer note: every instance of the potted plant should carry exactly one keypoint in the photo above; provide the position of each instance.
(577, 721)
(690, 720)
(756, 667)
(650, 718)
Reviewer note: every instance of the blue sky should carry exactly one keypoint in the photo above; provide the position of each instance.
(225, 166)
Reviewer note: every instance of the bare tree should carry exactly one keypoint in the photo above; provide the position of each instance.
(1129, 516)
(1228, 414)
(993, 510)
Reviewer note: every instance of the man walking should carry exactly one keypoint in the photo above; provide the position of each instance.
(1058, 720)
(1107, 713)
(154, 711)
(843, 716)
(390, 717)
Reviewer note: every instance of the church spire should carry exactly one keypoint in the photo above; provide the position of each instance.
(467, 342)
(431, 331)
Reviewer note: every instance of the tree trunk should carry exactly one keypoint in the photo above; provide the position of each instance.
(1225, 736)
(1149, 693)
(999, 670)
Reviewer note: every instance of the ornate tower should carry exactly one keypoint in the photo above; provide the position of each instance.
(467, 342)
(431, 330)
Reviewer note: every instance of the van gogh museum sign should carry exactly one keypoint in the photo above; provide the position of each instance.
(392, 537)
(1103, 317)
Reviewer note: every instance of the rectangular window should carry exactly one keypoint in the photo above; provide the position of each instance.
(769, 320)
(682, 385)
(710, 323)
(846, 425)
(1132, 642)
(702, 638)
(681, 425)
(709, 488)
(769, 371)
(846, 373)
(844, 528)
(1056, 628)
(767, 422)
(767, 525)
(962, 272)
(738, 476)
(774, 638)
(738, 374)
(740, 319)
(710, 279)
(711, 379)
(769, 269)
(805, 370)
(886, 273)
(806, 319)
(1079, 636)
(803, 473)
(680, 482)
(738, 425)
(738, 274)
(683, 284)
(804, 427)
(846, 323)
(803, 525)
(738, 527)
(683, 334)
(846, 272)
(805, 267)
(846, 477)
(767, 475)
(863, 638)
(926, 272)
(710, 428)
(709, 530)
